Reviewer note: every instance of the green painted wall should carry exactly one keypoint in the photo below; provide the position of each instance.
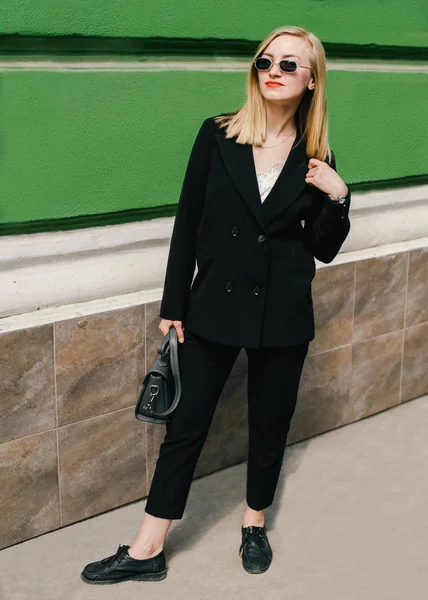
(396, 22)
(84, 143)
(86, 148)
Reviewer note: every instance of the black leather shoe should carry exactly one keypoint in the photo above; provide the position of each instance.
(256, 550)
(122, 567)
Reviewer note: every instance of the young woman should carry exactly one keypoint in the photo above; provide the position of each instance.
(261, 198)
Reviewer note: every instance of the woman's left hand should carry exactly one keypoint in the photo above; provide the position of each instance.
(322, 176)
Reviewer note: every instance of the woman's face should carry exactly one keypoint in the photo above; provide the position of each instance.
(293, 85)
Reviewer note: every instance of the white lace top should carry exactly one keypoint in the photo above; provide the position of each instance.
(266, 179)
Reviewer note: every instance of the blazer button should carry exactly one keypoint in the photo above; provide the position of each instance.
(228, 287)
(235, 231)
(261, 238)
(256, 290)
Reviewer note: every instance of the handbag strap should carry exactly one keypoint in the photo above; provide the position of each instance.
(170, 343)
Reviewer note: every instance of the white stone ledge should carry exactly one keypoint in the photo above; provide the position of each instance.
(46, 277)
(51, 269)
(387, 249)
(80, 309)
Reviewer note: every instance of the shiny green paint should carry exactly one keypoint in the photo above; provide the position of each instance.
(82, 144)
(396, 22)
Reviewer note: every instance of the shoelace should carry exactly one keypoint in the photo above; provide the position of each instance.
(110, 559)
(253, 530)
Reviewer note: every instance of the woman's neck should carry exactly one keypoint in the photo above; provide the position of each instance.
(279, 122)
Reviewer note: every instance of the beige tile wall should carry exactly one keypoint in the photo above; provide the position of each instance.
(70, 446)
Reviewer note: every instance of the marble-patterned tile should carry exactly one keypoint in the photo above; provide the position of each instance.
(380, 295)
(99, 363)
(415, 362)
(376, 373)
(333, 296)
(417, 292)
(227, 441)
(102, 464)
(29, 498)
(153, 333)
(155, 432)
(27, 384)
(323, 394)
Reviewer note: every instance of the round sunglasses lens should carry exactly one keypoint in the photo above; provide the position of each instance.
(263, 64)
(288, 66)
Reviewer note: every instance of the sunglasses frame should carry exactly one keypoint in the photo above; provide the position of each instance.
(279, 64)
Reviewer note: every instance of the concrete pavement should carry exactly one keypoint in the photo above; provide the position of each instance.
(349, 522)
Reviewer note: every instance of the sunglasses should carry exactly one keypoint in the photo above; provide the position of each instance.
(286, 66)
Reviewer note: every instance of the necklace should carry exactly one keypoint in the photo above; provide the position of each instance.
(273, 145)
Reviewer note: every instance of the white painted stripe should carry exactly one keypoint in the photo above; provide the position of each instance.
(222, 66)
(69, 311)
(41, 271)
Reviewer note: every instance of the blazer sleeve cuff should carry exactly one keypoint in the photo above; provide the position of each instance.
(336, 203)
(332, 212)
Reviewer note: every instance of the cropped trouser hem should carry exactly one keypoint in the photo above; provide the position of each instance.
(155, 512)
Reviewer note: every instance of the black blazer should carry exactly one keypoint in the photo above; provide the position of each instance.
(255, 260)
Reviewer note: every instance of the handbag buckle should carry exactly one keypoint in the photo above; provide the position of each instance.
(154, 391)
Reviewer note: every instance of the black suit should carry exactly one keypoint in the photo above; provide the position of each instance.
(255, 260)
(252, 290)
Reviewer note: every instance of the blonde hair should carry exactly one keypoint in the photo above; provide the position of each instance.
(249, 122)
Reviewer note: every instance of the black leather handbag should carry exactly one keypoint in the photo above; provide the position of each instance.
(161, 389)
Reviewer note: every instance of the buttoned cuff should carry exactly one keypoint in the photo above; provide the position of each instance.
(334, 210)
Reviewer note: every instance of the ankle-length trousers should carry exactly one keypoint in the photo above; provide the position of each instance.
(273, 381)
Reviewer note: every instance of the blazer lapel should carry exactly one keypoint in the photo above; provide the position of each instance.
(239, 162)
(290, 182)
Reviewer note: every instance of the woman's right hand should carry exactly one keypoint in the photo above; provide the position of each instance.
(165, 325)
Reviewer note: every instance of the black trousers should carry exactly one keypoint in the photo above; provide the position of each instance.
(273, 381)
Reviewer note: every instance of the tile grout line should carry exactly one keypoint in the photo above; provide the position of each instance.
(354, 302)
(373, 337)
(130, 406)
(404, 328)
(352, 333)
(112, 412)
(145, 371)
(56, 427)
